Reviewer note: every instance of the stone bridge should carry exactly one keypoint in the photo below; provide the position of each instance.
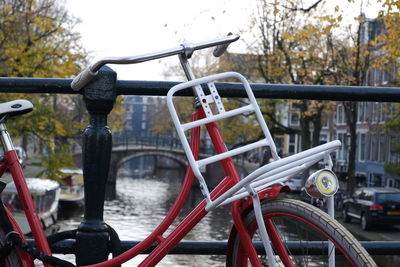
(132, 148)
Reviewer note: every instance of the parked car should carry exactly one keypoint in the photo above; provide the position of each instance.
(373, 205)
(295, 183)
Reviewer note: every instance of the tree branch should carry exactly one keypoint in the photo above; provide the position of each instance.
(304, 10)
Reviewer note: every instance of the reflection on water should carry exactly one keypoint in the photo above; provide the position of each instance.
(142, 203)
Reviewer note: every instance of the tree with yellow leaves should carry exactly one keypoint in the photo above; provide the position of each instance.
(295, 47)
(37, 40)
(389, 42)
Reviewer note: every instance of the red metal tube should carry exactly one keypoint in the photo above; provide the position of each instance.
(27, 203)
(25, 258)
(277, 242)
(184, 227)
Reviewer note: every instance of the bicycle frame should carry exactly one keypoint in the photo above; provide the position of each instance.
(11, 163)
(165, 244)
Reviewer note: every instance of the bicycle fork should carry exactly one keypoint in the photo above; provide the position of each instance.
(261, 227)
(268, 232)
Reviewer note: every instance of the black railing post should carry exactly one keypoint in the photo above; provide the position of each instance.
(92, 236)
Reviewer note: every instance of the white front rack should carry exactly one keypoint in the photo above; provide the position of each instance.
(277, 171)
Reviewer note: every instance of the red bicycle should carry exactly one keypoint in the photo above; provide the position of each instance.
(292, 233)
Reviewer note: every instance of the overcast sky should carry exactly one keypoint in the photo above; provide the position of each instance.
(129, 27)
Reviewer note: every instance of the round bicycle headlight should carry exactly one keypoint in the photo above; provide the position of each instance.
(322, 183)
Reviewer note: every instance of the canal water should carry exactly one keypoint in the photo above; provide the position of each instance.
(141, 204)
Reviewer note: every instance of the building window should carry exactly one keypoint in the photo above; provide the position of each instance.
(383, 112)
(292, 143)
(324, 120)
(362, 146)
(375, 112)
(294, 118)
(375, 76)
(373, 148)
(391, 111)
(382, 147)
(360, 112)
(340, 115)
(342, 152)
(362, 115)
(392, 149)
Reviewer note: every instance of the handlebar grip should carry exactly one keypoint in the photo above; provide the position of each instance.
(220, 49)
(82, 79)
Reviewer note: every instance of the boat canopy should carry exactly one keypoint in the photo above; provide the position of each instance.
(35, 185)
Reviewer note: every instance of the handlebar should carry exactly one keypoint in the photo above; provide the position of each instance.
(220, 49)
(89, 73)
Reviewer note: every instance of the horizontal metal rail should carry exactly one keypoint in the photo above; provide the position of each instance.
(219, 248)
(160, 88)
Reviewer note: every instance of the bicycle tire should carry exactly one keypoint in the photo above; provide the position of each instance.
(306, 217)
(13, 259)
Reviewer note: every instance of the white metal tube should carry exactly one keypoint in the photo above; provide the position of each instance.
(227, 114)
(286, 163)
(269, 179)
(232, 153)
(5, 138)
(331, 246)
(263, 231)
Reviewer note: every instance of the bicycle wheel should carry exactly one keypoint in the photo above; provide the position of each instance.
(13, 259)
(299, 226)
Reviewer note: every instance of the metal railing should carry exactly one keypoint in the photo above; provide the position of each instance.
(141, 141)
(160, 88)
(100, 97)
(219, 247)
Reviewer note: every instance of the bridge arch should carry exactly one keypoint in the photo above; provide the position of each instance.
(180, 160)
(120, 156)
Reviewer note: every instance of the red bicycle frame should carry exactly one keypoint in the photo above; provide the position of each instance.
(165, 244)
(12, 164)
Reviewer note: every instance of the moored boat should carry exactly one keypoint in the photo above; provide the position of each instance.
(45, 194)
(72, 192)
